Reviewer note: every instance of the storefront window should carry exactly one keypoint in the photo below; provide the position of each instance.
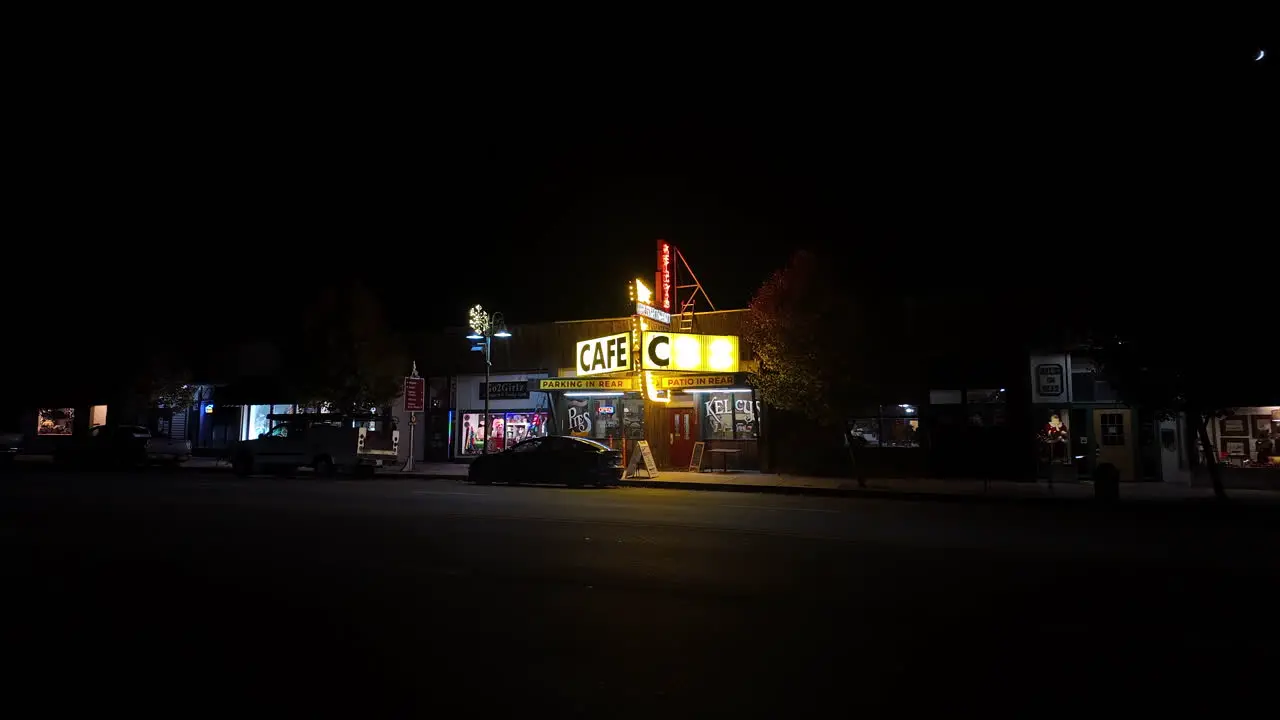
(1055, 439)
(580, 416)
(892, 426)
(728, 415)
(632, 417)
(606, 418)
(257, 423)
(55, 421)
(522, 426)
(505, 429)
(986, 408)
(899, 425)
(717, 416)
(1248, 437)
(745, 412)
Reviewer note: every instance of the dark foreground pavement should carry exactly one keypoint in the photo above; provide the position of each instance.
(182, 595)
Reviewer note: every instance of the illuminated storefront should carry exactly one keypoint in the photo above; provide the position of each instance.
(1247, 437)
(515, 413)
(671, 389)
(667, 374)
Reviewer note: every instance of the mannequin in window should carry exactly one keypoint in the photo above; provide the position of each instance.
(1056, 436)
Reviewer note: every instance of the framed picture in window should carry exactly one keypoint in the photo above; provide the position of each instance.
(1261, 425)
(1236, 426)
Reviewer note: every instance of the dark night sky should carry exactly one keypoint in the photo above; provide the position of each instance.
(540, 192)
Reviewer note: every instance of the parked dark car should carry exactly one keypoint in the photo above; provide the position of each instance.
(557, 459)
(107, 446)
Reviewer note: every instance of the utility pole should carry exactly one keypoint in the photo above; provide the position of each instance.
(415, 401)
(484, 328)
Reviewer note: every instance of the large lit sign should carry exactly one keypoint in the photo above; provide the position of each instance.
(642, 296)
(616, 384)
(689, 353)
(653, 313)
(664, 276)
(611, 353)
(642, 292)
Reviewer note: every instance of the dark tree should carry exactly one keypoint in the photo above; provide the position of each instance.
(348, 358)
(825, 349)
(164, 380)
(1158, 363)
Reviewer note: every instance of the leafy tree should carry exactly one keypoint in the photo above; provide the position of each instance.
(811, 332)
(173, 394)
(163, 379)
(347, 357)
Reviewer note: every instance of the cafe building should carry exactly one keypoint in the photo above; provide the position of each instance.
(668, 374)
(617, 381)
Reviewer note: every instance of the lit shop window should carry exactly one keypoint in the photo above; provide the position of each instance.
(505, 429)
(55, 421)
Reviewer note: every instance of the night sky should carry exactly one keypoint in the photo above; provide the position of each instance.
(541, 194)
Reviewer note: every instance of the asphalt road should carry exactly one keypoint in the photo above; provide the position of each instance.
(181, 595)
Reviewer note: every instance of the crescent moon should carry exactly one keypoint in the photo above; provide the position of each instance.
(1261, 54)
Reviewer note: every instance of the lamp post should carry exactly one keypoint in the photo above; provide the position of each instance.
(484, 328)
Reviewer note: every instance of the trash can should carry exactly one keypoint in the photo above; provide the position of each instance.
(1106, 483)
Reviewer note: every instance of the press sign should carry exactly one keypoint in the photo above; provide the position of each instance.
(604, 355)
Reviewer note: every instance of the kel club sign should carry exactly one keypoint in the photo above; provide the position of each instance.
(611, 353)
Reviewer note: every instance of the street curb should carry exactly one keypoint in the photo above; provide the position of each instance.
(909, 495)
(843, 492)
(310, 475)
(158, 472)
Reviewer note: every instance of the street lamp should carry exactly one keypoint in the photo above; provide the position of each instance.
(484, 328)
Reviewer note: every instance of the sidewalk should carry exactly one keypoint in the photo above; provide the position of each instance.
(924, 488)
(422, 470)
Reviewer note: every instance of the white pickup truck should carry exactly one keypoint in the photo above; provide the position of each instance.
(328, 443)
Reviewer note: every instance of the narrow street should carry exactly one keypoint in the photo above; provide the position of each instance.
(183, 594)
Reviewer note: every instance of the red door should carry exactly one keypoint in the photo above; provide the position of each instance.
(683, 435)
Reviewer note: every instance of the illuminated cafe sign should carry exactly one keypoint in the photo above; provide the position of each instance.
(653, 313)
(614, 384)
(611, 353)
(689, 353)
(677, 382)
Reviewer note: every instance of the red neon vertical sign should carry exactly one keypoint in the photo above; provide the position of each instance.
(664, 276)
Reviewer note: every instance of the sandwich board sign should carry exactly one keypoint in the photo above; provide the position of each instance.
(695, 460)
(642, 451)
